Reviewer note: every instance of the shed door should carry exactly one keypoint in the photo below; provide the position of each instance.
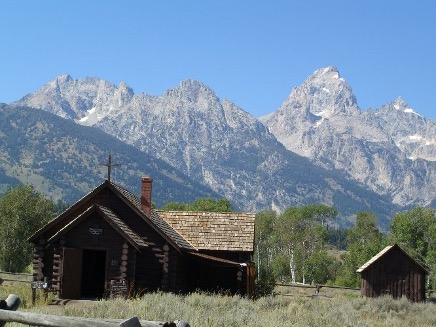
(71, 273)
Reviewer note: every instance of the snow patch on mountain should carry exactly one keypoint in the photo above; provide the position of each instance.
(91, 117)
(410, 110)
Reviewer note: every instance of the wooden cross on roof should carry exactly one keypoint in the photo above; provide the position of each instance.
(109, 167)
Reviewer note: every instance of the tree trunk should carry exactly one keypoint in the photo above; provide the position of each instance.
(292, 265)
(258, 261)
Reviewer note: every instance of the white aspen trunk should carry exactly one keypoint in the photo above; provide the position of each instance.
(258, 261)
(305, 259)
(292, 265)
(270, 255)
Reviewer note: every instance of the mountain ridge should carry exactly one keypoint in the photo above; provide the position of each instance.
(220, 145)
(63, 159)
(382, 148)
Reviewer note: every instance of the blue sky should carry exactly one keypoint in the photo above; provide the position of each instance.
(251, 52)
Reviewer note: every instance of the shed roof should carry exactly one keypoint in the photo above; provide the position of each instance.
(223, 231)
(384, 251)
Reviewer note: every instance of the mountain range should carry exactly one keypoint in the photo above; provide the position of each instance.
(391, 150)
(318, 147)
(64, 160)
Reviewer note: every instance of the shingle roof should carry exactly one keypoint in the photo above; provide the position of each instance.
(122, 226)
(112, 219)
(131, 197)
(156, 220)
(169, 231)
(227, 231)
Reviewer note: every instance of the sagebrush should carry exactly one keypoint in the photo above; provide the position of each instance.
(299, 309)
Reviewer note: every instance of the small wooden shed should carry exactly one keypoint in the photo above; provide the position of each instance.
(393, 272)
(111, 240)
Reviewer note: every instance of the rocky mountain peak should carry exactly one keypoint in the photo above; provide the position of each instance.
(324, 94)
(399, 108)
(191, 97)
(329, 93)
(191, 84)
(58, 83)
(73, 98)
(323, 97)
(63, 78)
(194, 90)
(124, 93)
(331, 71)
(123, 87)
(400, 104)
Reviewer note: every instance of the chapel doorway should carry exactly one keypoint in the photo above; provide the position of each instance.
(93, 273)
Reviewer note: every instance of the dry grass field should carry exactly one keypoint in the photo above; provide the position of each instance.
(332, 307)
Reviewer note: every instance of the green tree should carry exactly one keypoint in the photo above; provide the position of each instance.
(263, 242)
(415, 232)
(60, 206)
(212, 205)
(280, 267)
(201, 204)
(337, 237)
(322, 267)
(299, 233)
(364, 241)
(175, 206)
(22, 212)
(319, 213)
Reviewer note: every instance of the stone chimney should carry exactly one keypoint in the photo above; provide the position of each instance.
(146, 186)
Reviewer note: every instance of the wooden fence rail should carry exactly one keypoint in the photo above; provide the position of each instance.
(16, 274)
(8, 313)
(12, 277)
(13, 280)
(429, 292)
(45, 320)
(316, 286)
(53, 321)
(279, 284)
